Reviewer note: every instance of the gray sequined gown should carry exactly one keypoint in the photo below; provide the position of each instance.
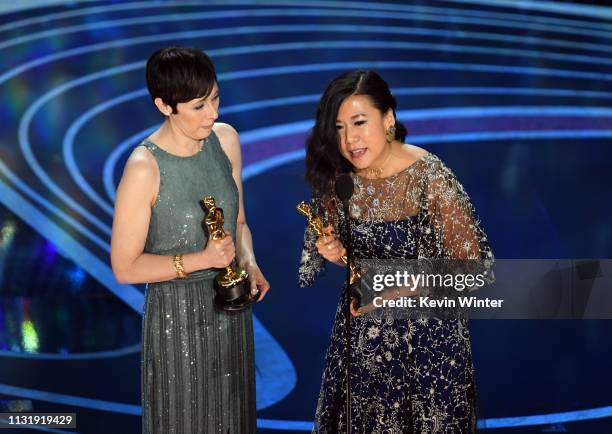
(198, 367)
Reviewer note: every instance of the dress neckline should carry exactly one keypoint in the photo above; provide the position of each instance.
(181, 157)
(393, 175)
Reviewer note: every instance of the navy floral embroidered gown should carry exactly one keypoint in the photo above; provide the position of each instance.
(407, 376)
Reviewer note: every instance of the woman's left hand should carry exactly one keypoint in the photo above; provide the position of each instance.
(257, 281)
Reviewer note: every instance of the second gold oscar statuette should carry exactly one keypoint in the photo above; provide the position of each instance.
(317, 225)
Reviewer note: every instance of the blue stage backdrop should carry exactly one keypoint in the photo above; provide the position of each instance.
(515, 97)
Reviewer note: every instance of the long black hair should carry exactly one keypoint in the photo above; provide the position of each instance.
(324, 162)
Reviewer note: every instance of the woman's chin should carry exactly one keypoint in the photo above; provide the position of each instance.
(359, 164)
(202, 134)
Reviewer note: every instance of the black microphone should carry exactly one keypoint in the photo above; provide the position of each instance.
(344, 188)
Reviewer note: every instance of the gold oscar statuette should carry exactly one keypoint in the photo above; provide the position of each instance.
(231, 284)
(317, 226)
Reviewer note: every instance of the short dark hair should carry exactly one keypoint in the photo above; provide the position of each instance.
(324, 162)
(178, 74)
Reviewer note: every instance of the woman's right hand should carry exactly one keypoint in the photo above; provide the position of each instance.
(219, 253)
(330, 247)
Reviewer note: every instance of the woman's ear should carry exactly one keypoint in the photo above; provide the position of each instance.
(164, 108)
(389, 119)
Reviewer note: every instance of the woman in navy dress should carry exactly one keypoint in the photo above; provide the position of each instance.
(407, 375)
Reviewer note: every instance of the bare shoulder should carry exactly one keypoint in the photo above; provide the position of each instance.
(141, 165)
(140, 178)
(228, 136)
(410, 154)
(413, 152)
(230, 142)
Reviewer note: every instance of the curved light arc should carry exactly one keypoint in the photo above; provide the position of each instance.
(306, 28)
(292, 69)
(68, 147)
(228, 14)
(318, 4)
(68, 141)
(111, 162)
(119, 352)
(252, 136)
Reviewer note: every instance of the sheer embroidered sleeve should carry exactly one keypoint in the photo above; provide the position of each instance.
(457, 232)
(312, 264)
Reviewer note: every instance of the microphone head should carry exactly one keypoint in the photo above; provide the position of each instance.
(344, 187)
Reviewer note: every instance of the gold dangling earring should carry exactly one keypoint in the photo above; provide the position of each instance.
(390, 135)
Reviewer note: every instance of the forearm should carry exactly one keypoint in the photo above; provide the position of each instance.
(245, 256)
(149, 268)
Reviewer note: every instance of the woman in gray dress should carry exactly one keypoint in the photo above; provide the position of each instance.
(198, 370)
